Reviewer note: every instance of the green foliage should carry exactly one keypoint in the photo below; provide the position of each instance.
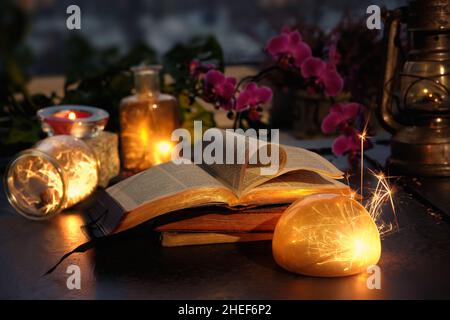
(102, 78)
(17, 126)
(177, 60)
(23, 131)
(14, 56)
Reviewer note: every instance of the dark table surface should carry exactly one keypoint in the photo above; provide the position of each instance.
(415, 261)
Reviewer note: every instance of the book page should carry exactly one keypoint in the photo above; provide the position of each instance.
(291, 159)
(247, 161)
(292, 186)
(162, 181)
(232, 161)
(228, 174)
(302, 159)
(264, 160)
(252, 175)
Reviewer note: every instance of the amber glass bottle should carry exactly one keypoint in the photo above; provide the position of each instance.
(147, 119)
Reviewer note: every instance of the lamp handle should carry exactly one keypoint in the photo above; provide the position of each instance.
(391, 32)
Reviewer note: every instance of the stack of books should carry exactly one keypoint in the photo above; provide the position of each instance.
(218, 225)
(201, 204)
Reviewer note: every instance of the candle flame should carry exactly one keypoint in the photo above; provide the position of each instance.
(163, 151)
(72, 115)
(164, 147)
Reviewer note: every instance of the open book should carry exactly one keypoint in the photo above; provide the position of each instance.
(169, 187)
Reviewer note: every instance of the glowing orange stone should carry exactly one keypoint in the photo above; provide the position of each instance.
(326, 236)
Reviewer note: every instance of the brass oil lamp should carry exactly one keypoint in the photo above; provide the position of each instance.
(415, 102)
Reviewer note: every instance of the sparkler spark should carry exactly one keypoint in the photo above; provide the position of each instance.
(362, 138)
(380, 195)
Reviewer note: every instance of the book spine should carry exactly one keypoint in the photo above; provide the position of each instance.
(104, 216)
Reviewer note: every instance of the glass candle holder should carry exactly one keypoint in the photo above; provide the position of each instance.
(147, 120)
(55, 174)
(77, 121)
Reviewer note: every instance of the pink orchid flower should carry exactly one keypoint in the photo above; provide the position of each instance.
(220, 89)
(254, 114)
(197, 69)
(346, 143)
(252, 96)
(340, 113)
(289, 47)
(325, 74)
(350, 142)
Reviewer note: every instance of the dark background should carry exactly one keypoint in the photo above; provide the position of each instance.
(241, 27)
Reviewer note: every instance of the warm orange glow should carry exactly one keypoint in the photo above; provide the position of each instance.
(326, 235)
(35, 182)
(59, 172)
(146, 119)
(144, 136)
(70, 227)
(164, 147)
(81, 172)
(163, 151)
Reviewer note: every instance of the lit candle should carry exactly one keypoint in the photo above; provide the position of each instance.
(163, 151)
(78, 121)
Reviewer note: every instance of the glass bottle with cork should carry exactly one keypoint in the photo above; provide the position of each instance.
(147, 120)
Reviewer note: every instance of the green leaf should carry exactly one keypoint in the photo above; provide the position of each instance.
(23, 130)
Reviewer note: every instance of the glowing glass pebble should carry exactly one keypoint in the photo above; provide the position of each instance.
(327, 236)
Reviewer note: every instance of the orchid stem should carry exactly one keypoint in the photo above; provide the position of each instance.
(237, 121)
(258, 77)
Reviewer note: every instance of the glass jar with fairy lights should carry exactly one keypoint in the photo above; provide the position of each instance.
(57, 173)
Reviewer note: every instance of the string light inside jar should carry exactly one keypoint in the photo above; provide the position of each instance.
(57, 173)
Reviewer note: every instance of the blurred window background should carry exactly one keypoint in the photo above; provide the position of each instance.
(241, 27)
(43, 63)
